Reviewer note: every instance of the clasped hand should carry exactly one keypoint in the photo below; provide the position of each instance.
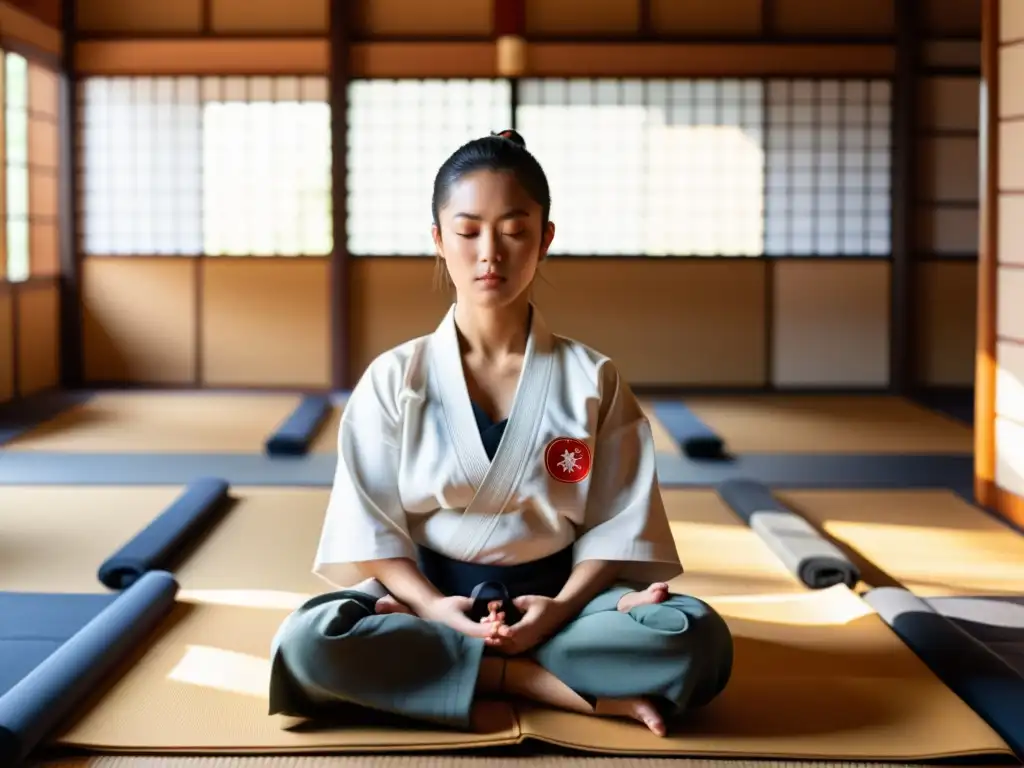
(541, 617)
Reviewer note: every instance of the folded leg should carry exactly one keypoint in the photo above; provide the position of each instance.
(677, 653)
(336, 649)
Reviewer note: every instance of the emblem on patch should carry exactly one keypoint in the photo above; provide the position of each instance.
(567, 459)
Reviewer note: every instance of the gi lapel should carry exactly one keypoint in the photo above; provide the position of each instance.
(495, 481)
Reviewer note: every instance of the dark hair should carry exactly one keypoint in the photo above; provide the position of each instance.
(503, 151)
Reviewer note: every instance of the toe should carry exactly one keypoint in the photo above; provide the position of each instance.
(645, 712)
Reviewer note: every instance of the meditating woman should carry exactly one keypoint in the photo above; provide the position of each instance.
(497, 496)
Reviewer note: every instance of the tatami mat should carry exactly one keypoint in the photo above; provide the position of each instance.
(53, 539)
(830, 424)
(436, 761)
(818, 675)
(663, 440)
(171, 422)
(930, 541)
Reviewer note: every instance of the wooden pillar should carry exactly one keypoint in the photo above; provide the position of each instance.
(510, 37)
(72, 358)
(988, 260)
(902, 361)
(340, 38)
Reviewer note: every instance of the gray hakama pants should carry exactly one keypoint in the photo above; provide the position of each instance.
(336, 652)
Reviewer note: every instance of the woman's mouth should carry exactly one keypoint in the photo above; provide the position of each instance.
(491, 279)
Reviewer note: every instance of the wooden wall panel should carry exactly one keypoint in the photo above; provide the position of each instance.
(203, 56)
(139, 318)
(948, 169)
(947, 231)
(7, 366)
(813, 17)
(952, 54)
(582, 17)
(135, 16)
(946, 302)
(706, 17)
(49, 12)
(278, 17)
(44, 170)
(706, 60)
(951, 17)
(830, 323)
(674, 322)
(17, 25)
(38, 328)
(415, 17)
(266, 323)
(949, 104)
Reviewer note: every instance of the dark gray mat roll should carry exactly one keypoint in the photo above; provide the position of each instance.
(45, 697)
(317, 470)
(294, 436)
(814, 560)
(697, 439)
(985, 682)
(155, 546)
(995, 621)
(34, 625)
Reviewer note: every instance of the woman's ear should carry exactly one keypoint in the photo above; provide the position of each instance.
(435, 234)
(546, 238)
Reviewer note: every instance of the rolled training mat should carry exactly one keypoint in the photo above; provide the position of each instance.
(810, 556)
(154, 546)
(294, 436)
(695, 437)
(46, 696)
(990, 686)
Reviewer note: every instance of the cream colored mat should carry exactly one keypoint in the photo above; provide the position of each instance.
(53, 539)
(171, 422)
(930, 541)
(830, 424)
(818, 675)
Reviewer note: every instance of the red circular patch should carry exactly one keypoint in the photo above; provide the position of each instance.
(567, 459)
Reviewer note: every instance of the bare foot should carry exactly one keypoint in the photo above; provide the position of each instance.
(656, 593)
(388, 604)
(637, 709)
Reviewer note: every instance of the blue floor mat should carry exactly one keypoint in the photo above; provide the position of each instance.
(34, 625)
(317, 470)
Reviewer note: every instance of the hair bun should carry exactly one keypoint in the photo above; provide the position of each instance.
(514, 136)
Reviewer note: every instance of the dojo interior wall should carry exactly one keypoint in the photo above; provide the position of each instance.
(806, 322)
(1000, 432)
(29, 200)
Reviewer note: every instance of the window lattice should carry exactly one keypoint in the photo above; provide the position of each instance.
(222, 166)
(16, 130)
(399, 134)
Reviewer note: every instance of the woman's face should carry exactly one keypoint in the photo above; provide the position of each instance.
(491, 238)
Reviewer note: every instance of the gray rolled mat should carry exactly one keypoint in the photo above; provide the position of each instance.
(811, 557)
(35, 624)
(986, 683)
(159, 543)
(43, 699)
